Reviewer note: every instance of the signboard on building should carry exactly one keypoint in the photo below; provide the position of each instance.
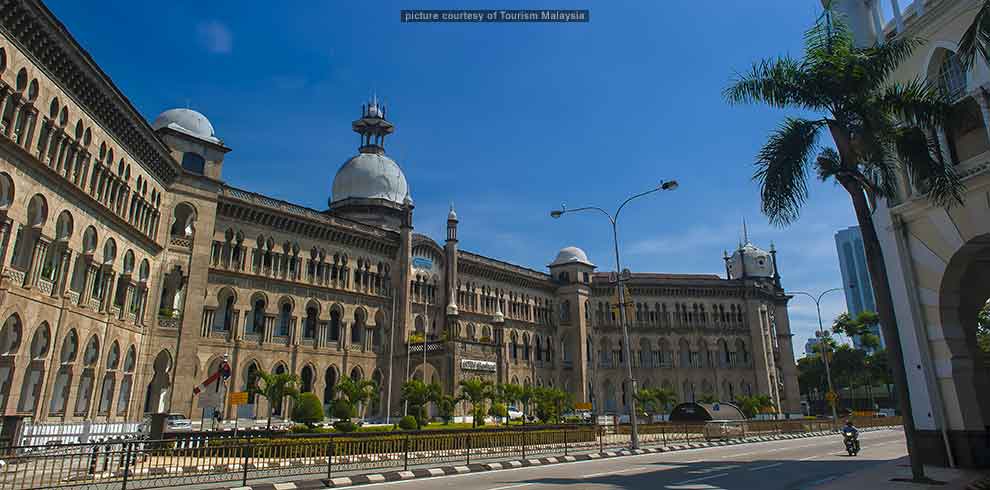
(582, 406)
(422, 263)
(477, 365)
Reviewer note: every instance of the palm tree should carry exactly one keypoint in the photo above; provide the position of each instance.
(274, 388)
(508, 394)
(976, 39)
(752, 405)
(880, 129)
(417, 395)
(476, 391)
(357, 393)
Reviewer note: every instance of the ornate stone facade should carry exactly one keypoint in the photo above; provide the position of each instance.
(130, 269)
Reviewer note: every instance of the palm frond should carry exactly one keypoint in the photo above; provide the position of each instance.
(829, 35)
(927, 169)
(883, 58)
(976, 39)
(776, 82)
(916, 103)
(828, 164)
(782, 168)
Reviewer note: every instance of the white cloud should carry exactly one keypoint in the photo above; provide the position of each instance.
(215, 37)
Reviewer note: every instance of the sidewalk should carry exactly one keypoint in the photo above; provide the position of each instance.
(879, 477)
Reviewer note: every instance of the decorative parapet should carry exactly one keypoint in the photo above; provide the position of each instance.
(45, 286)
(16, 276)
(294, 209)
(169, 322)
(180, 242)
(72, 296)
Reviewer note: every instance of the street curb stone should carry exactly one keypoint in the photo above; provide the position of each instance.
(398, 475)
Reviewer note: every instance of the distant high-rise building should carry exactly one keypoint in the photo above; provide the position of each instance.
(809, 346)
(855, 276)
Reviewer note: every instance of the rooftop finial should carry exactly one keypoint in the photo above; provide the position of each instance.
(745, 232)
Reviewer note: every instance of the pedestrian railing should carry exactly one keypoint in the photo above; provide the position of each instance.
(200, 458)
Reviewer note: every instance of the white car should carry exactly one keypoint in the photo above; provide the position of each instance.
(514, 413)
(177, 422)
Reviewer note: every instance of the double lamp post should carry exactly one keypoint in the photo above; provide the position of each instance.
(613, 218)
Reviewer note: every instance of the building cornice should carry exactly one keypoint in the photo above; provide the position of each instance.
(259, 209)
(36, 31)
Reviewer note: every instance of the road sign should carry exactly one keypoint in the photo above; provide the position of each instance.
(831, 396)
(582, 406)
(210, 398)
(239, 398)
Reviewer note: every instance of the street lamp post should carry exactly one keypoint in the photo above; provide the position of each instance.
(821, 343)
(613, 218)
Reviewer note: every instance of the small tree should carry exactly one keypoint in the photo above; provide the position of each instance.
(752, 405)
(498, 410)
(550, 403)
(274, 388)
(708, 398)
(357, 393)
(508, 394)
(526, 396)
(307, 410)
(476, 392)
(445, 407)
(417, 395)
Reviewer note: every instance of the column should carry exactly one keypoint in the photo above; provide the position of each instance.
(37, 257)
(16, 102)
(90, 283)
(64, 269)
(6, 227)
(48, 128)
(269, 329)
(128, 295)
(28, 135)
(5, 92)
(51, 154)
(108, 290)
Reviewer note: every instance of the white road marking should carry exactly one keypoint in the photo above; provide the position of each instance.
(511, 486)
(627, 470)
(758, 468)
(712, 477)
(812, 457)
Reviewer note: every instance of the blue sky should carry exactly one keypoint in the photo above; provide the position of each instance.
(507, 121)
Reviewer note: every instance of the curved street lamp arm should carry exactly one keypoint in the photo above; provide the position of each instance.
(630, 198)
(590, 208)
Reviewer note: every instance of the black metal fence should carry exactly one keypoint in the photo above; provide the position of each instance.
(205, 457)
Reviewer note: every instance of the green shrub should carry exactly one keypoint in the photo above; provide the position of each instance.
(408, 423)
(300, 429)
(345, 426)
(308, 409)
(498, 410)
(343, 410)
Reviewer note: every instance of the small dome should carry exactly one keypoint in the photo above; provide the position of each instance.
(370, 176)
(571, 255)
(186, 121)
(750, 261)
(452, 215)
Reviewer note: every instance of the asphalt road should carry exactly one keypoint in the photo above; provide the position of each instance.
(783, 465)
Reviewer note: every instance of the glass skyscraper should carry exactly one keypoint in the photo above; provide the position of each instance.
(855, 275)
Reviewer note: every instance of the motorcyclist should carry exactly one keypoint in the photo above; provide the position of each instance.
(852, 435)
(851, 428)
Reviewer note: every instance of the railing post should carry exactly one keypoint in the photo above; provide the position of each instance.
(663, 435)
(468, 448)
(601, 439)
(524, 434)
(565, 442)
(330, 459)
(127, 464)
(405, 454)
(244, 461)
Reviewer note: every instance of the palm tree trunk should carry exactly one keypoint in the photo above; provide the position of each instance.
(888, 322)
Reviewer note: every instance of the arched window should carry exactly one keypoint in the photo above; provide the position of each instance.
(951, 77)
(335, 325)
(285, 317)
(309, 328)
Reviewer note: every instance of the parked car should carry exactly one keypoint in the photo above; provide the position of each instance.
(174, 422)
(514, 413)
(724, 429)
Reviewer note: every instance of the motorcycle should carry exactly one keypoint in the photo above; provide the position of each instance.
(851, 439)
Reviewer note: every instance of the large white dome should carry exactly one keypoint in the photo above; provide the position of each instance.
(186, 121)
(571, 255)
(750, 261)
(370, 176)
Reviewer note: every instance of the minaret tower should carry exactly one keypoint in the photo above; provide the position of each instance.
(373, 127)
(450, 251)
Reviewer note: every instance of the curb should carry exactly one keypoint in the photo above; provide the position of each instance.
(399, 475)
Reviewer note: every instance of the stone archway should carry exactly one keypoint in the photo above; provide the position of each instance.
(964, 377)
(156, 398)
